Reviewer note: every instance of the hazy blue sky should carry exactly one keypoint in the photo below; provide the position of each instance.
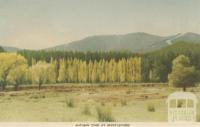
(37, 24)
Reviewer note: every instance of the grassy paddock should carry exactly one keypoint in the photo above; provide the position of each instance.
(79, 102)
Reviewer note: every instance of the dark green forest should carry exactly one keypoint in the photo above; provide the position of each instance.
(1, 49)
(155, 66)
(86, 56)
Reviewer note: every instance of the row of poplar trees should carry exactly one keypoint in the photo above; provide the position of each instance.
(124, 70)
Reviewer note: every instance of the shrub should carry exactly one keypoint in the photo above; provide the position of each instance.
(123, 102)
(192, 90)
(37, 96)
(151, 108)
(34, 97)
(70, 103)
(128, 92)
(42, 96)
(104, 114)
(103, 103)
(86, 110)
(114, 104)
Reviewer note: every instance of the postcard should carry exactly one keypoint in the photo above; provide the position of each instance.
(99, 63)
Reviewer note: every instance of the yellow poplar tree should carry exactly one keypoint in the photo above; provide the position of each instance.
(90, 69)
(94, 72)
(39, 73)
(62, 71)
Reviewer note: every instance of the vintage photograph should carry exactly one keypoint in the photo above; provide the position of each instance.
(100, 61)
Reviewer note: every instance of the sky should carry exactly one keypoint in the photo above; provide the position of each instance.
(37, 24)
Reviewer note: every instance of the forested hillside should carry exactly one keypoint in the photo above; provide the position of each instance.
(133, 42)
(138, 42)
(157, 65)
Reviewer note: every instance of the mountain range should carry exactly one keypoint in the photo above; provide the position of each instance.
(134, 42)
(10, 49)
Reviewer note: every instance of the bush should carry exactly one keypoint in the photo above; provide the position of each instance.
(86, 110)
(34, 97)
(37, 96)
(103, 103)
(192, 90)
(70, 103)
(104, 114)
(128, 92)
(114, 104)
(151, 108)
(123, 102)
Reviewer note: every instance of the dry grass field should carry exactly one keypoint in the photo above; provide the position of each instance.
(72, 103)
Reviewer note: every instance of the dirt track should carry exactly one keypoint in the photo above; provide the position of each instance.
(74, 86)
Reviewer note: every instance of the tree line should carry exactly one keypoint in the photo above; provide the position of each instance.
(14, 69)
(90, 67)
(155, 66)
(43, 55)
(1, 49)
(158, 64)
(124, 70)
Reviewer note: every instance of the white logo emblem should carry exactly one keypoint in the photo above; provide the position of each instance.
(182, 107)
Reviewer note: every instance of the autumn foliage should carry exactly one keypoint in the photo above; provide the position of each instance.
(14, 70)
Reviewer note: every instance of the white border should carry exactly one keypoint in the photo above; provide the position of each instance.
(98, 124)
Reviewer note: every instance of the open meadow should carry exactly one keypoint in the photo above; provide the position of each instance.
(86, 102)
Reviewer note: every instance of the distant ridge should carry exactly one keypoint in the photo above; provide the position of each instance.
(10, 49)
(134, 42)
(139, 42)
(179, 47)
